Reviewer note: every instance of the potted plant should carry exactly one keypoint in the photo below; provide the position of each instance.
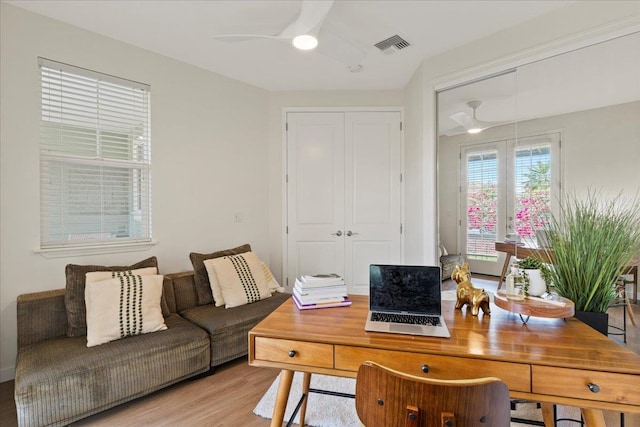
(536, 274)
(592, 241)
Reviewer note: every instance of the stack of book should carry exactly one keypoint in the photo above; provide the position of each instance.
(320, 291)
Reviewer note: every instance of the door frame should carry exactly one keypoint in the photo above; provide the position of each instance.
(287, 282)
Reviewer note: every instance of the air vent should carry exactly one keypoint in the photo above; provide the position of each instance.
(392, 44)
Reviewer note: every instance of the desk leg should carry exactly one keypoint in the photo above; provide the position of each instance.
(306, 381)
(547, 414)
(505, 267)
(284, 387)
(593, 417)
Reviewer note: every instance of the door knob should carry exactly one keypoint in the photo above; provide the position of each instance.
(351, 233)
(339, 233)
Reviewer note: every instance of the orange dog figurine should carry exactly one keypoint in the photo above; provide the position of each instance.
(468, 295)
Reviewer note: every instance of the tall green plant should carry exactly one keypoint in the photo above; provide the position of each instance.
(592, 241)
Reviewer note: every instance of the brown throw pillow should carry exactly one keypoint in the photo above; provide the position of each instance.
(201, 277)
(74, 292)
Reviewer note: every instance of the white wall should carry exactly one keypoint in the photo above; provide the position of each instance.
(415, 179)
(209, 151)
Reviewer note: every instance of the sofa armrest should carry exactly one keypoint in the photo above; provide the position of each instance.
(41, 315)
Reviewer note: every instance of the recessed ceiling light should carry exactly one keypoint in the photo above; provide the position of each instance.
(305, 42)
(355, 68)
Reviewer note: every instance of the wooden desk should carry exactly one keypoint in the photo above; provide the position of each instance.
(546, 360)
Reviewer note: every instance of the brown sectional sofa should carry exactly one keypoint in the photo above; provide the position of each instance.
(60, 380)
(227, 328)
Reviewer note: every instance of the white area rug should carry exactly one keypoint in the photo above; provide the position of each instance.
(333, 411)
(322, 410)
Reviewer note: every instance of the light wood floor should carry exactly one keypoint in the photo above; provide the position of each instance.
(226, 398)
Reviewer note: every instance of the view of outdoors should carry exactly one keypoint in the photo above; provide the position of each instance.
(532, 176)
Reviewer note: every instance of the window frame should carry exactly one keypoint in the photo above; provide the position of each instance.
(95, 126)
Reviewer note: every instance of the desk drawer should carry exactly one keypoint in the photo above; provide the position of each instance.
(517, 376)
(611, 387)
(295, 352)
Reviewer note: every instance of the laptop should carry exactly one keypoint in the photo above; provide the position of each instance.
(405, 299)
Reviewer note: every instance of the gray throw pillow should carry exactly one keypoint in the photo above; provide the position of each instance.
(201, 277)
(74, 292)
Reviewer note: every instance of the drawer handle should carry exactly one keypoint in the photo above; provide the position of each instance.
(425, 368)
(292, 353)
(593, 387)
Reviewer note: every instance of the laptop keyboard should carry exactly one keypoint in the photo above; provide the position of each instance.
(406, 319)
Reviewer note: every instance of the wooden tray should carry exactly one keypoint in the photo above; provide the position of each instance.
(535, 307)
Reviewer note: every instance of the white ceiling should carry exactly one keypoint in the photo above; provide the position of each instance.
(184, 30)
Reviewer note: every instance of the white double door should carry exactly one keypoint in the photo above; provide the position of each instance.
(344, 197)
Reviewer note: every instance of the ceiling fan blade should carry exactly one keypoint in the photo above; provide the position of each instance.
(458, 130)
(487, 125)
(339, 49)
(312, 15)
(463, 129)
(235, 38)
(463, 119)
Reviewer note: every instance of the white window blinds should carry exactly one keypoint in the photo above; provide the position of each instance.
(95, 159)
(481, 203)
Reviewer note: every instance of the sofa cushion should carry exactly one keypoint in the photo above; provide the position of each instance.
(232, 326)
(99, 276)
(184, 290)
(271, 283)
(203, 288)
(124, 306)
(60, 380)
(74, 291)
(240, 277)
(216, 290)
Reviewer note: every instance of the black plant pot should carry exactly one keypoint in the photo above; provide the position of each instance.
(598, 321)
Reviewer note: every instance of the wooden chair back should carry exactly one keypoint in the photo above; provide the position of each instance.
(385, 397)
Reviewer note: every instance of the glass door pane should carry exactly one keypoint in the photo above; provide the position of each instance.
(535, 184)
(482, 203)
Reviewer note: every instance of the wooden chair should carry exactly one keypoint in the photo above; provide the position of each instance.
(385, 397)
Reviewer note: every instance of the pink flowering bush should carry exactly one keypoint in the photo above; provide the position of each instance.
(482, 210)
(532, 212)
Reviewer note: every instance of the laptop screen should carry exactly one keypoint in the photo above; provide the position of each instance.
(414, 289)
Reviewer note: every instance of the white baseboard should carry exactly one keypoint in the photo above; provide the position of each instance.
(7, 374)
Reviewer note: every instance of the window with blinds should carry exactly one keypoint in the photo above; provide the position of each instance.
(95, 159)
(481, 203)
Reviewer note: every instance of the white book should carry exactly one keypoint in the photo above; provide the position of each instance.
(341, 291)
(319, 289)
(315, 281)
(321, 277)
(317, 299)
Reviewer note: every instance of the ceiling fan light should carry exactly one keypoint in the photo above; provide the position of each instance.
(305, 42)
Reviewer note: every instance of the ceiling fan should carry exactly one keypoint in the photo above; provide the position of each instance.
(306, 33)
(470, 123)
